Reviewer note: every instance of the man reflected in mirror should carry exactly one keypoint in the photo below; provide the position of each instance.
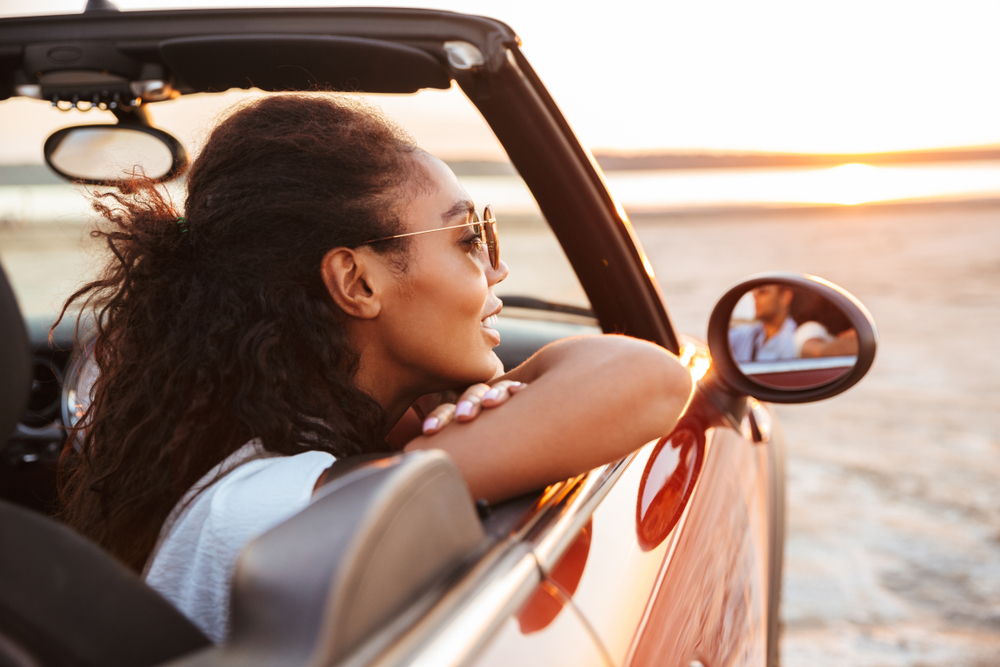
(770, 337)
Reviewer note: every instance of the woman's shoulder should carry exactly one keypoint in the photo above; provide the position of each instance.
(254, 477)
(248, 493)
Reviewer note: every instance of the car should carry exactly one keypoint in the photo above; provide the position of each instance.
(671, 555)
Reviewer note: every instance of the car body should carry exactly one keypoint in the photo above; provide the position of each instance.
(669, 556)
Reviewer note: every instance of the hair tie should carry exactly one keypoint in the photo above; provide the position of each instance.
(182, 224)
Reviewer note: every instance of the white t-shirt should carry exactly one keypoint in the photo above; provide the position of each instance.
(193, 561)
(809, 331)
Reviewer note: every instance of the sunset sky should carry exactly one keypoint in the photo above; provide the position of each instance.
(781, 75)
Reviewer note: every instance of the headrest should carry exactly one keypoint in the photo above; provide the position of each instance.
(15, 361)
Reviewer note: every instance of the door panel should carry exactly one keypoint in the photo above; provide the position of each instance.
(711, 602)
(624, 563)
(563, 640)
(671, 578)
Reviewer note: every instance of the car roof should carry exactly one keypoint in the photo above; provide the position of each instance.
(371, 49)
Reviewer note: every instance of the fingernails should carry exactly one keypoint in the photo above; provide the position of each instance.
(463, 409)
(431, 424)
(491, 395)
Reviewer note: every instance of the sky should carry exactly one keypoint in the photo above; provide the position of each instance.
(727, 75)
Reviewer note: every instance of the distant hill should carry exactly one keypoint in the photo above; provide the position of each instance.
(692, 160)
(613, 162)
(28, 174)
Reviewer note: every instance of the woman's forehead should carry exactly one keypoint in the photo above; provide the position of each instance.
(439, 198)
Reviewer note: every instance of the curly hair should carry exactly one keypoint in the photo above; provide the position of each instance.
(216, 328)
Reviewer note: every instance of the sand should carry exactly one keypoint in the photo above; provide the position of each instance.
(893, 545)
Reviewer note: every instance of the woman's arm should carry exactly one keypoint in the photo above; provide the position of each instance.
(590, 400)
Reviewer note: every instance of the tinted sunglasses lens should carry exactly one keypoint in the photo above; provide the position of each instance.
(492, 241)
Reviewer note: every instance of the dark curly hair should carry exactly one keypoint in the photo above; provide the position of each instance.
(216, 328)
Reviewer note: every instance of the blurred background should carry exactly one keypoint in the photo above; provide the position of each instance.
(858, 141)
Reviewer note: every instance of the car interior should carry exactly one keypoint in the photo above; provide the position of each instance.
(347, 583)
(387, 537)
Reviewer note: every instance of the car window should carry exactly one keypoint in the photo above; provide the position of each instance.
(44, 222)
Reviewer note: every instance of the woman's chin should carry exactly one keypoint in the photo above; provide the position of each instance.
(490, 368)
(498, 368)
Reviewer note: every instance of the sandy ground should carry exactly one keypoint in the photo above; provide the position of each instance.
(893, 548)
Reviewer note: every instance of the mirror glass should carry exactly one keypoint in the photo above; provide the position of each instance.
(790, 338)
(110, 153)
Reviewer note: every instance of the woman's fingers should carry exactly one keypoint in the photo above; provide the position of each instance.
(438, 418)
(501, 391)
(470, 404)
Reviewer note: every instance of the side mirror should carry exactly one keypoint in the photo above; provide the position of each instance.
(110, 154)
(789, 338)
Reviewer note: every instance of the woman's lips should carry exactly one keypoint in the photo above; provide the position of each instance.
(488, 325)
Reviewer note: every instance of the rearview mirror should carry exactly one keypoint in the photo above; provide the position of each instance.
(790, 338)
(111, 154)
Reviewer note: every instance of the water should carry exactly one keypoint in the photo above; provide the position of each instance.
(46, 250)
(656, 191)
(653, 191)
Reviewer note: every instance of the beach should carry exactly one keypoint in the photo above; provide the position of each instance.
(893, 537)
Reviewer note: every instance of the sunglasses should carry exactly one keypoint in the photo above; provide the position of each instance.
(486, 229)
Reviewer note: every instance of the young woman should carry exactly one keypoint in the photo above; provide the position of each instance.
(326, 280)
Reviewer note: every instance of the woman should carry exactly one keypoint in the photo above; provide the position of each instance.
(326, 276)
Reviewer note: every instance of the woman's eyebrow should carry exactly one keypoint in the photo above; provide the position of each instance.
(460, 208)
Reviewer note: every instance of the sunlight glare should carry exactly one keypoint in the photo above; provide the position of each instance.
(853, 183)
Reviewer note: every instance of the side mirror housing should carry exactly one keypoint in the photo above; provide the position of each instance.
(789, 338)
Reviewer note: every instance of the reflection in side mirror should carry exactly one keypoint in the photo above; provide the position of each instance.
(789, 338)
(109, 154)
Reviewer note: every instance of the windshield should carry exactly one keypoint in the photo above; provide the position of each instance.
(47, 252)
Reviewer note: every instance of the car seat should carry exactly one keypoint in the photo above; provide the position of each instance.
(64, 601)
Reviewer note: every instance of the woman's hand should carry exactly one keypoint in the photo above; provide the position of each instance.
(468, 406)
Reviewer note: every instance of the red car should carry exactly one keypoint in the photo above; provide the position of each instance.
(671, 556)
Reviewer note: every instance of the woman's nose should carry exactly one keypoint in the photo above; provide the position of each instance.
(498, 274)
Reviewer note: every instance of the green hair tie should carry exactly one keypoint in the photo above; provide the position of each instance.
(182, 223)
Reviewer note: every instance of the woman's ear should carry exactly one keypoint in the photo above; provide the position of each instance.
(348, 276)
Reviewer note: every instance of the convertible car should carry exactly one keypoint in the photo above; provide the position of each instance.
(670, 556)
